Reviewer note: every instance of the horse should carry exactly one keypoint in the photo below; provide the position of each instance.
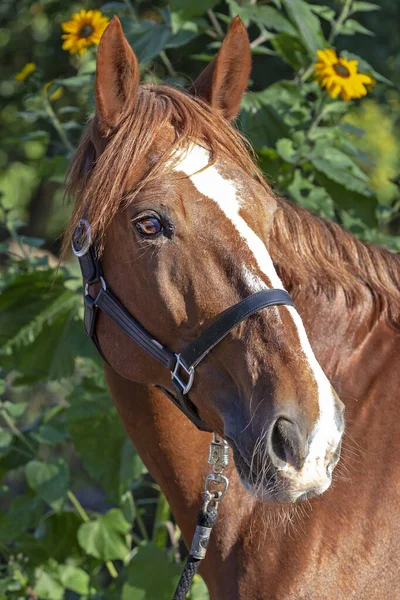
(186, 226)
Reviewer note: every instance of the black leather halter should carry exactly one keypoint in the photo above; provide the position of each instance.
(182, 366)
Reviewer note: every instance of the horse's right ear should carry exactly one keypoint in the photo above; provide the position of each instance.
(117, 78)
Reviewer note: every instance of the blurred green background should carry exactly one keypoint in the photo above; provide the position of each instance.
(79, 523)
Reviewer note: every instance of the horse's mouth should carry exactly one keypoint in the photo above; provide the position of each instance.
(270, 485)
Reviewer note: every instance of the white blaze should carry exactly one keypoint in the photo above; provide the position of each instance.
(223, 192)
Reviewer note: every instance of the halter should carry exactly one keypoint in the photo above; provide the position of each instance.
(182, 366)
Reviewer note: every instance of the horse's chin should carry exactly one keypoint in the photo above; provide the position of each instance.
(282, 494)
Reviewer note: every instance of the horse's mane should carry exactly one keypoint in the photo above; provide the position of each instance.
(99, 194)
(316, 256)
(311, 253)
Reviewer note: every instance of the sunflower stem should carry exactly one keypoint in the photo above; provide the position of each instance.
(336, 27)
(57, 124)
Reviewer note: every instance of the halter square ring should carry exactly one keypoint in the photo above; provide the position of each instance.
(182, 387)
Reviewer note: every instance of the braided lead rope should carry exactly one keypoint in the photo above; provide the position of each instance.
(208, 515)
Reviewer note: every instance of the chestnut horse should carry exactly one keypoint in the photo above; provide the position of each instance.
(186, 227)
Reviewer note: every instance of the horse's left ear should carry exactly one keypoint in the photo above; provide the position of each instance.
(224, 80)
(117, 78)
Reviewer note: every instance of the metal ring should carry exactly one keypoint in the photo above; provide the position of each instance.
(103, 285)
(82, 250)
(217, 479)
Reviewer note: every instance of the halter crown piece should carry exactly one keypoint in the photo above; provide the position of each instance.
(182, 366)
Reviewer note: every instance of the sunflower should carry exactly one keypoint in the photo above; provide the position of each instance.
(340, 76)
(83, 30)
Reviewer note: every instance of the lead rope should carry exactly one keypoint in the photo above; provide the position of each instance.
(218, 457)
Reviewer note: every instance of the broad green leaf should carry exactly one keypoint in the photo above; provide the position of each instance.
(339, 167)
(266, 16)
(142, 584)
(356, 204)
(310, 196)
(49, 480)
(291, 50)
(198, 589)
(189, 9)
(285, 149)
(74, 579)
(57, 535)
(128, 506)
(307, 24)
(23, 514)
(91, 410)
(49, 434)
(48, 585)
(148, 39)
(105, 537)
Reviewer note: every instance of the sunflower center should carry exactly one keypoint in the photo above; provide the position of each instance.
(341, 70)
(86, 31)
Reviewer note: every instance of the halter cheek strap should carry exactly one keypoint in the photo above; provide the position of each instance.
(182, 366)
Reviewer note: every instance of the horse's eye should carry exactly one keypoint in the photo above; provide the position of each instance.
(149, 226)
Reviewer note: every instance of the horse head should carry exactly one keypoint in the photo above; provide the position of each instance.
(181, 218)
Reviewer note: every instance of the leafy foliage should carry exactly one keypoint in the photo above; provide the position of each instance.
(77, 515)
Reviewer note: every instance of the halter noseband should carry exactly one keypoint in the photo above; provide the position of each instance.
(182, 366)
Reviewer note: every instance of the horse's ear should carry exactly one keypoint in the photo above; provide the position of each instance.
(117, 77)
(224, 80)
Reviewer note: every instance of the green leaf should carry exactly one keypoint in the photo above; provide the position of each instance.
(5, 442)
(74, 579)
(131, 467)
(266, 16)
(23, 514)
(49, 434)
(198, 589)
(57, 536)
(356, 204)
(339, 167)
(77, 81)
(351, 27)
(148, 39)
(189, 9)
(324, 12)
(48, 585)
(364, 7)
(128, 506)
(142, 584)
(49, 480)
(291, 50)
(307, 24)
(105, 537)
(91, 410)
(285, 149)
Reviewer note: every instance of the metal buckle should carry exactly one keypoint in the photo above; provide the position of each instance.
(182, 387)
(81, 238)
(217, 479)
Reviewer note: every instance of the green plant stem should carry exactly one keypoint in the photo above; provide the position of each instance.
(71, 496)
(57, 125)
(340, 20)
(141, 526)
(167, 63)
(11, 424)
(160, 534)
(215, 23)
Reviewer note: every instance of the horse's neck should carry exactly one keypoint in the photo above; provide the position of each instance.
(173, 450)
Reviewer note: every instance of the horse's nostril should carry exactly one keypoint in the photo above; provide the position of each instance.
(278, 441)
(287, 444)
